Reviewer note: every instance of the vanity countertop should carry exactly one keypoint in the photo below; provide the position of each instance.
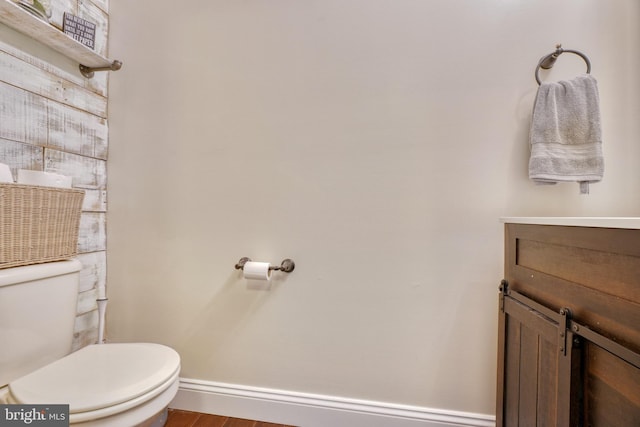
(602, 222)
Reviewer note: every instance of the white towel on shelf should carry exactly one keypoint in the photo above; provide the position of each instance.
(565, 136)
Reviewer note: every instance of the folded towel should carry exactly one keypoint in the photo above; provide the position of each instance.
(565, 136)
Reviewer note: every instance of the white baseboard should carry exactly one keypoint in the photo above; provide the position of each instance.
(312, 410)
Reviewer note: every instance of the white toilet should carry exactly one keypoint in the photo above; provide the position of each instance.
(118, 385)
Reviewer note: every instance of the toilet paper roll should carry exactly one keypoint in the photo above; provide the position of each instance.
(47, 179)
(5, 173)
(256, 271)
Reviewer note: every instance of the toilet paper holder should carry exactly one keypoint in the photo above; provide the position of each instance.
(286, 266)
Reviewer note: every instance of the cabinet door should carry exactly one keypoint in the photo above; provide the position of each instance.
(534, 368)
(611, 389)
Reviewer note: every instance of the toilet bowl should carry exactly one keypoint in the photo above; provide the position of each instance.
(119, 385)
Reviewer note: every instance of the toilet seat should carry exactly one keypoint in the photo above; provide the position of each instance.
(101, 380)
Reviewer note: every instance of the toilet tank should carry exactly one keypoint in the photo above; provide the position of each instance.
(37, 314)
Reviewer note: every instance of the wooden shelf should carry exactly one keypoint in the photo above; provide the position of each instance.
(19, 19)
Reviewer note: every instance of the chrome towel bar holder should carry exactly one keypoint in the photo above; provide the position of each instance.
(286, 266)
(547, 61)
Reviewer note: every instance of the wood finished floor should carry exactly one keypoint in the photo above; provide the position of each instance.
(179, 418)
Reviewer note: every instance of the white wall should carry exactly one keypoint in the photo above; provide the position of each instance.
(375, 142)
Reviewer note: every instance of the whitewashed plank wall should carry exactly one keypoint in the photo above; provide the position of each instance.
(56, 121)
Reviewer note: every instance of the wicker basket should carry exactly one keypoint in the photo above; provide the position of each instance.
(38, 224)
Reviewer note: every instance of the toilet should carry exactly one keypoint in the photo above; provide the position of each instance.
(120, 384)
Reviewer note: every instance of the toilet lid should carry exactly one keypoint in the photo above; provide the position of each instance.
(98, 376)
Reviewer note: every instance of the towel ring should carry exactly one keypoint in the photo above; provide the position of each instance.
(547, 62)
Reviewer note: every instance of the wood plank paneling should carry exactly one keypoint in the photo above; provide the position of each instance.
(13, 44)
(21, 156)
(87, 172)
(95, 200)
(40, 82)
(23, 115)
(53, 119)
(87, 301)
(58, 7)
(94, 271)
(76, 131)
(85, 330)
(102, 4)
(92, 236)
(91, 12)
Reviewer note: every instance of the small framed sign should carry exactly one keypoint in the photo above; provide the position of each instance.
(79, 29)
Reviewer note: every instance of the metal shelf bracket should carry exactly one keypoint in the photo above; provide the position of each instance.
(89, 72)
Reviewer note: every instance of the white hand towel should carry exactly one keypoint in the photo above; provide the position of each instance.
(565, 136)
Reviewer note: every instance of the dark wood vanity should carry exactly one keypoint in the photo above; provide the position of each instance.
(569, 323)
